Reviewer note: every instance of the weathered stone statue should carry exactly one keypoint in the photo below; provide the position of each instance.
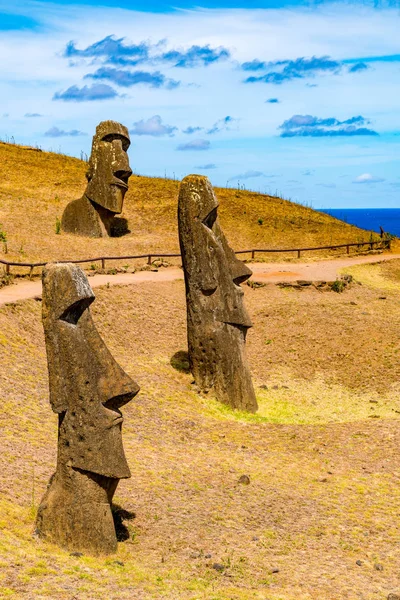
(216, 317)
(87, 390)
(108, 174)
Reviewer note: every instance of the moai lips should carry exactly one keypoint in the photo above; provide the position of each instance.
(216, 316)
(108, 175)
(87, 390)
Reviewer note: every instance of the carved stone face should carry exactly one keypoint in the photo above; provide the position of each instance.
(109, 169)
(87, 386)
(213, 271)
(217, 321)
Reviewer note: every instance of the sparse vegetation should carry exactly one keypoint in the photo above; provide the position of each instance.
(321, 455)
(338, 286)
(3, 239)
(52, 180)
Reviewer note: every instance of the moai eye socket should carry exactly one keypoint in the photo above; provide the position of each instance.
(114, 136)
(210, 218)
(74, 312)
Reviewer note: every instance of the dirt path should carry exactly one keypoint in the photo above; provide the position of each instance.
(323, 270)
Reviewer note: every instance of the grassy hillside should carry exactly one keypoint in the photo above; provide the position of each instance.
(319, 520)
(36, 186)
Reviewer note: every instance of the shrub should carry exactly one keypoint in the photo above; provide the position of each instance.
(3, 239)
(338, 286)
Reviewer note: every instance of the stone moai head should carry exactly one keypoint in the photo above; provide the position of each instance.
(87, 390)
(217, 318)
(109, 169)
(87, 386)
(213, 270)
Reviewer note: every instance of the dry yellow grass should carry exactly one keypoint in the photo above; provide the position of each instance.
(322, 455)
(36, 186)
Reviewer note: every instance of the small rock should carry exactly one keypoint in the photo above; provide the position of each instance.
(378, 567)
(195, 555)
(218, 567)
(207, 555)
(263, 387)
(323, 480)
(77, 554)
(119, 563)
(359, 563)
(275, 387)
(255, 538)
(244, 479)
(353, 303)
(255, 284)
(303, 283)
(274, 571)
(374, 401)
(382, 297)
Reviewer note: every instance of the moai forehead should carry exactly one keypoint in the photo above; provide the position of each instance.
(109, 130)
(65, 288)
(197, 198)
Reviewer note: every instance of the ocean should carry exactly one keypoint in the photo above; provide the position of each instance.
(369, 218)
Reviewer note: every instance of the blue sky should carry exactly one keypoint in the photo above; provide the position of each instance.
(298, 98)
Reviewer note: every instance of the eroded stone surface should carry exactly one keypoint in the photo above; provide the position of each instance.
(108, 174)
(216, 316)
(87, 390)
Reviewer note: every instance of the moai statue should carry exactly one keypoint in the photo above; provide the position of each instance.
(108, 174)
(87, 390)
(217, 320)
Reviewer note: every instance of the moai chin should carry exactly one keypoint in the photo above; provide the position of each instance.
(87, 390)
(108, 174)
(217, 320)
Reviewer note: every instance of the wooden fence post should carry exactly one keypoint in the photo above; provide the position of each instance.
(149, 259)
(348, 249)
(253, 253)
(298, 253)
(7, 269)
(103, 263)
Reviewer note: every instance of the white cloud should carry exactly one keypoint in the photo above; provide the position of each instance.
(247, 175)
(367, 178)
(195, 145)
(153, 126)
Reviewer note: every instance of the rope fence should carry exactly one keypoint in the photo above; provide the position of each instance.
(379, 245)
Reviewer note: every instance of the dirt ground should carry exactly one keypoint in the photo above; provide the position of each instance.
(320, 518)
